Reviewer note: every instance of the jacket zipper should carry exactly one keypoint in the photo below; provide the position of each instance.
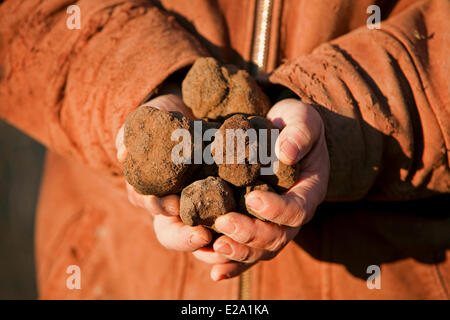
(261, 39)
(258, 67)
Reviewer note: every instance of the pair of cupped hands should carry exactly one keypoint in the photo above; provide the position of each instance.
(246, 240)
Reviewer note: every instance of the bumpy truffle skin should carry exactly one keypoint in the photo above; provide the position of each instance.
(215, 91)
(149, 167)
(204, 200)
(284, 178)
(286, 175)
(257, 185)
(238, 174)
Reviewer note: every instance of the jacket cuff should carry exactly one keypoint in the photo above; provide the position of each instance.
(355, 148)
(123, 67)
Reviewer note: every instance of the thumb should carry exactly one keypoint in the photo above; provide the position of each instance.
(301, 126)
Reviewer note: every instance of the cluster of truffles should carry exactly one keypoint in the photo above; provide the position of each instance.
(223, 98)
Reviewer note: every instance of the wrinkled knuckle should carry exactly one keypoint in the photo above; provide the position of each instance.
(273, 214)
(297, 219)
(277, 243)
(298, 212)
(248, 237)
(244, 255)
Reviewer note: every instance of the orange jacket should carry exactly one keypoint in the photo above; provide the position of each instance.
(383, 95)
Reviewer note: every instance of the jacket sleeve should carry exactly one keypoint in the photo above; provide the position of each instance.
(71, 89)
(385, 100)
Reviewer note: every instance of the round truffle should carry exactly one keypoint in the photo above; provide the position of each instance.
(214, 91)
(149, 166)
(204, 200)
(238, 163)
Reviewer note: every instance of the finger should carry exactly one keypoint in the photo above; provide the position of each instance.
(168, 205)
(122, 151)
(299, 204)
(301, 125)
(312, 186)
(228, 270)
(254, 232)
(175, 235)
(208, 255)
(239, 252)
(170, 102)
(288, 209)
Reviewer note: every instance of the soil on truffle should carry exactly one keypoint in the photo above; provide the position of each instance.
(149, 167)
(230, 100)
(239, 173)
(214, 91)
(204, 200)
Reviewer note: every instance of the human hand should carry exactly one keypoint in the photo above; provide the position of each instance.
(247, 240)
(170, 231)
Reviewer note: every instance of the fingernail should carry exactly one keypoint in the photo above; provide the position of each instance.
(224, 248)
(219, 277)
(198, 240)
(224, 225)
(223, 277)
(289, 149)
(254, 202)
